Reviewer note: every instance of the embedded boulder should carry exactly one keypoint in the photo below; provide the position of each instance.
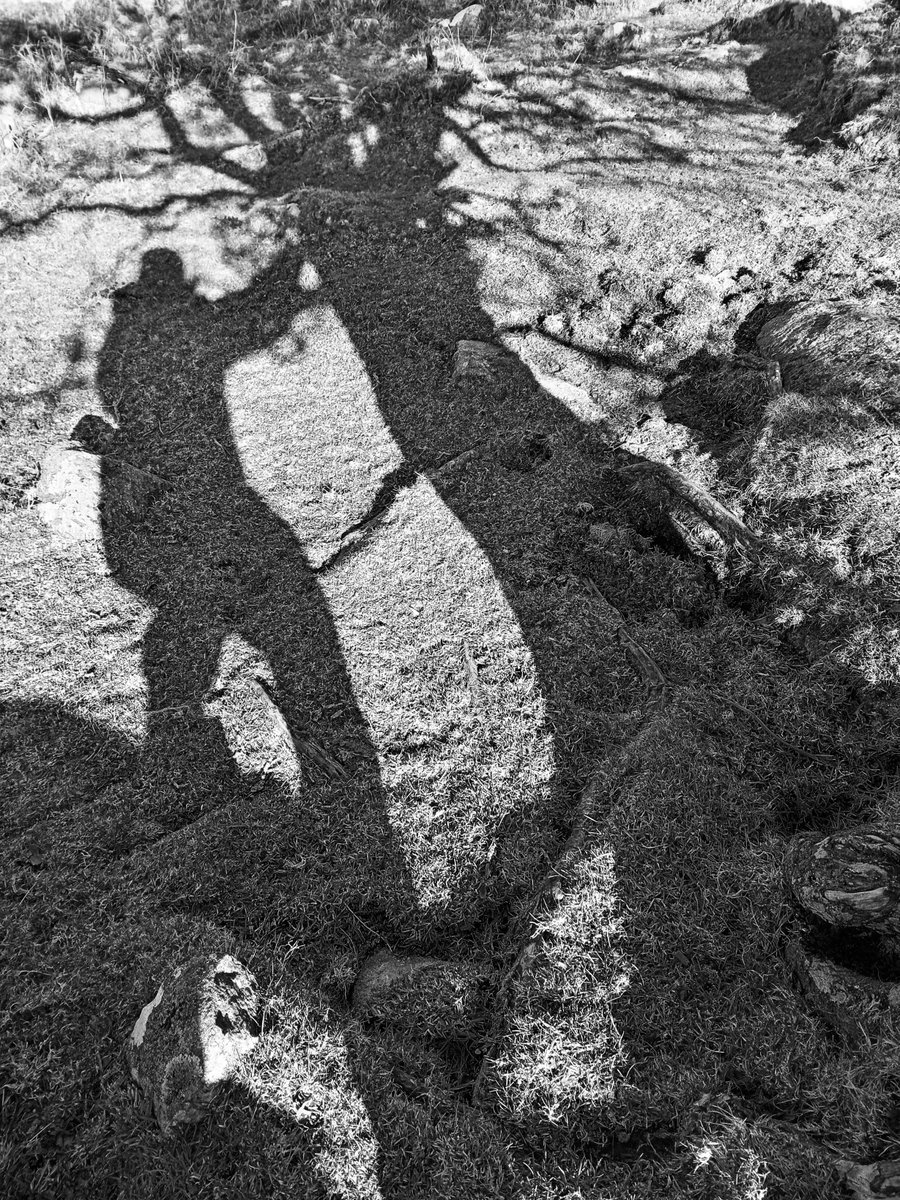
(429, 995)
(825, 345)
(192, 1036)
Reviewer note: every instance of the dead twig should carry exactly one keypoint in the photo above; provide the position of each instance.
(730, 702)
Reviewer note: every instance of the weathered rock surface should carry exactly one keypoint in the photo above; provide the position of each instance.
(849, 880)
(466, 20)
(250, 157)
(872, 1181)
(191, 1037)
(831, 346)
(628, 32)
(74, 484)
(429, 995)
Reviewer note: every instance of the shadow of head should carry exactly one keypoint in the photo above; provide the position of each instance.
(161, 279)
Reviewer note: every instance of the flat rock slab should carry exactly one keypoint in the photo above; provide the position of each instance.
(192, 1036)
(428, 995)
(74, 485)
(832, 346)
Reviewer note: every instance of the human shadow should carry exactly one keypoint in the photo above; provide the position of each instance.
(213, 561)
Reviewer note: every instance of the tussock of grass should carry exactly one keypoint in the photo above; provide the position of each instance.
(861, 98)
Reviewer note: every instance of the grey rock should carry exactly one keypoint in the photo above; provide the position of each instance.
(249, 157)
(74, 483)
(825, 345)
(466, 20)
(476, 361)
(192, 1036)
(870, 1181)
(628, 32)
(429, 995)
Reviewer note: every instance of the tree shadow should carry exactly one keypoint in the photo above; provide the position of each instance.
(214, 562)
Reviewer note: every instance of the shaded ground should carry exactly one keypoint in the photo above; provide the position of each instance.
(343, 686)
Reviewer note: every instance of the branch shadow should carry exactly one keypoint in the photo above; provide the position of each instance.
(214, 561)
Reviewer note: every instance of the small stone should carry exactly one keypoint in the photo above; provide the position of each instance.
(74, 483)
(625, 31)
(429, 995)
(94, 95)
(871, 1181)
(191, 1037)
(555, 324)
(251, 157)
(476, 361)
(466, 19)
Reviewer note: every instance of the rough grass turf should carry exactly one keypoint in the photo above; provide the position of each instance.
(353, 555)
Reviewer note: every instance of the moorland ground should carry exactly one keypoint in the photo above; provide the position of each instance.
(343, 685)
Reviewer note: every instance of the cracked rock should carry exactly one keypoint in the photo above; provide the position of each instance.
(192, 1036)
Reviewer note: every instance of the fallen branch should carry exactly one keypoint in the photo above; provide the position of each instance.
(728, 526)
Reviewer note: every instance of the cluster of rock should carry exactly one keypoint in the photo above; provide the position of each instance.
(206, 1019)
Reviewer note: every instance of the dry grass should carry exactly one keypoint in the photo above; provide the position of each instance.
(862, 96)
(238, 725)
